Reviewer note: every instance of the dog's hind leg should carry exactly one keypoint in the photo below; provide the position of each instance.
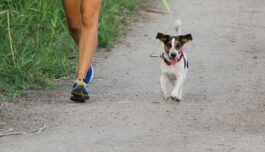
(163, 87)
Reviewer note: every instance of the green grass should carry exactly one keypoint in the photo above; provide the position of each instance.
(42, 43)
(112, 18)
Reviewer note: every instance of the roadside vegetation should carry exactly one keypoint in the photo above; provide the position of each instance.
(42, 44)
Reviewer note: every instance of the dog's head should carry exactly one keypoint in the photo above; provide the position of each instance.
(173, 44)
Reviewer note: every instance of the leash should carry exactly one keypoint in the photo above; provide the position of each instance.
(166, 32)
(159, 43)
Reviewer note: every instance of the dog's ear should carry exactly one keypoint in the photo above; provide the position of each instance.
(163, 37)
(185, 38)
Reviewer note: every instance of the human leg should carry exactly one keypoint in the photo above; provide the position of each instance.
(73, 16)
(88, 35)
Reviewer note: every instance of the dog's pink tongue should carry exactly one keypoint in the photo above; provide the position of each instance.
(173, 61)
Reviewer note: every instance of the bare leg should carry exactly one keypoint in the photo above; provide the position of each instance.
(88, 35)
(73, 16)
(82, 19)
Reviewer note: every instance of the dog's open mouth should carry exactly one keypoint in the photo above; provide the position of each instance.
(173, 61)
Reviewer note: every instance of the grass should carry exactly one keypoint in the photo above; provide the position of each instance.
(112, 18)
(42, 43)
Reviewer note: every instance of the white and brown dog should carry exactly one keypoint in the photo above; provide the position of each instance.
(174, 63)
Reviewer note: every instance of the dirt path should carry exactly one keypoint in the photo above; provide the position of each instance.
(224, 97)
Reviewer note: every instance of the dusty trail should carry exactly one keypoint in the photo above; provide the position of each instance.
(224, 97)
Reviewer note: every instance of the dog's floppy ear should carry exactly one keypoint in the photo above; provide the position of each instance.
(185, 38)
(163, 37)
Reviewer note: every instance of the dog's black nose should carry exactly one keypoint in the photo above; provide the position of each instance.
(173, 55)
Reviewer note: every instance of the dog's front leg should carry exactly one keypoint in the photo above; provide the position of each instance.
(176, 93)
(163, 87)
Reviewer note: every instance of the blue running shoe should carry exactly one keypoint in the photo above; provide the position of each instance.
(89, 75)
(79, 91)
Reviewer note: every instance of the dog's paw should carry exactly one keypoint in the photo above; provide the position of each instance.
(165, 96)
(175, 98)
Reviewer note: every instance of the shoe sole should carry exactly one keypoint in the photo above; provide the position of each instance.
(77, 99)
(78, 96)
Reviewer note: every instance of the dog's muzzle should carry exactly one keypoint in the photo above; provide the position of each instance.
(173, 55)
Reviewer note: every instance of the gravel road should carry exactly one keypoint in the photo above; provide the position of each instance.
(223, 107)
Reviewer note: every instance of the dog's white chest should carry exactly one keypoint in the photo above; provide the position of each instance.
(171, 76)
(173, 71)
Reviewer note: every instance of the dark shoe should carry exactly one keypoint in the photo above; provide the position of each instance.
(79, 92)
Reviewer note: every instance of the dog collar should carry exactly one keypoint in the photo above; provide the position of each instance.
(168, 62)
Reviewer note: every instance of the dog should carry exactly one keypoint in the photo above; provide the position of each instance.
(174, 63)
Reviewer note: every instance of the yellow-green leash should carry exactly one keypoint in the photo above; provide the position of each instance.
(158, 44)
(167, 6)
(166, 32)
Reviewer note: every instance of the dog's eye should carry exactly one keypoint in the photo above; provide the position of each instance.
(178, 45)
(169, 45)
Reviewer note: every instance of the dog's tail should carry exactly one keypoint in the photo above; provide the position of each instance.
(177, 27)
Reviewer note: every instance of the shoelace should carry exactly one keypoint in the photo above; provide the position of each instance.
(80, 82)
